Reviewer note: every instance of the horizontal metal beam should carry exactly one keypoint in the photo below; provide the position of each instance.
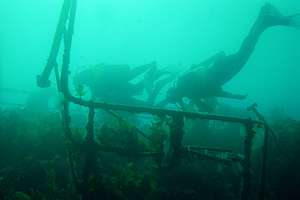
(159, 111)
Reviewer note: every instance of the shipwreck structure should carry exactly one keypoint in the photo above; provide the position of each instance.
(176, 150)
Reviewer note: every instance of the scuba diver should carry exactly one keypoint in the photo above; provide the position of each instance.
(205, 80)
(113, 83)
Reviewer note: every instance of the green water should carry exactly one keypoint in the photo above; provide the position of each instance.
(176, 34)
(140, 156)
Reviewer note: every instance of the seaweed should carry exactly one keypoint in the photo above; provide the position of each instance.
(34, 164)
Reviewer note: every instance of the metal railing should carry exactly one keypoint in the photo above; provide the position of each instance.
(64, 33)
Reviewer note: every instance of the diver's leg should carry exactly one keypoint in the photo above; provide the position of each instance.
(157, 87)
(268, 17)
(141, 69)
(228, 66)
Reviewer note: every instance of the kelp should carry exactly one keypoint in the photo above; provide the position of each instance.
(34, 164)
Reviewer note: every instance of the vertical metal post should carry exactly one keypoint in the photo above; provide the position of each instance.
(264, 164)
(246, 187)
(90, 153)
(176, 136)
(90, 125)
(69, 144)
(68, 37)
(43, 79)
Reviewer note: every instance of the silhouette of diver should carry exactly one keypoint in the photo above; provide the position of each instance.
(112, 83)
(207, 78)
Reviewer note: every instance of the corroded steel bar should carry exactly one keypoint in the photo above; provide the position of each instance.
(194, 147)
(90, 125)
(246, 189)
(209, 157)
(122, 151)
(43, 79)
(176, 136)
(264, 166)
(268, 130)
(68, 142)
(158, 111)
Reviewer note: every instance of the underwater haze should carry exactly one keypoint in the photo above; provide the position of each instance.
(196, 99)
(176, 34)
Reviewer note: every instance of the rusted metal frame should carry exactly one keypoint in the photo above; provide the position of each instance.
(175, 149)
(264, 164)
(208, 152)
(43, 79)
(210, 157)
(177, 115)
(200, 148)
(67, 50)
(121, 151)
(90, 156)
(157, 111)
(61, 31)
(90, 145)
(175, 146)
(57, 77)
(246, 180)
(90, 126)
(69, 144)
(267, 132)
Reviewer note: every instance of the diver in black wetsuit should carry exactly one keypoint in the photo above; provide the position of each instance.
(113, 83)
(206, 79)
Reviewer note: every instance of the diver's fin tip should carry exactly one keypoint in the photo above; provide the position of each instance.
(272, 16)
(270, 9)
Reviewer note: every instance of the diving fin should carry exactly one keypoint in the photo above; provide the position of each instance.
(271, 16)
